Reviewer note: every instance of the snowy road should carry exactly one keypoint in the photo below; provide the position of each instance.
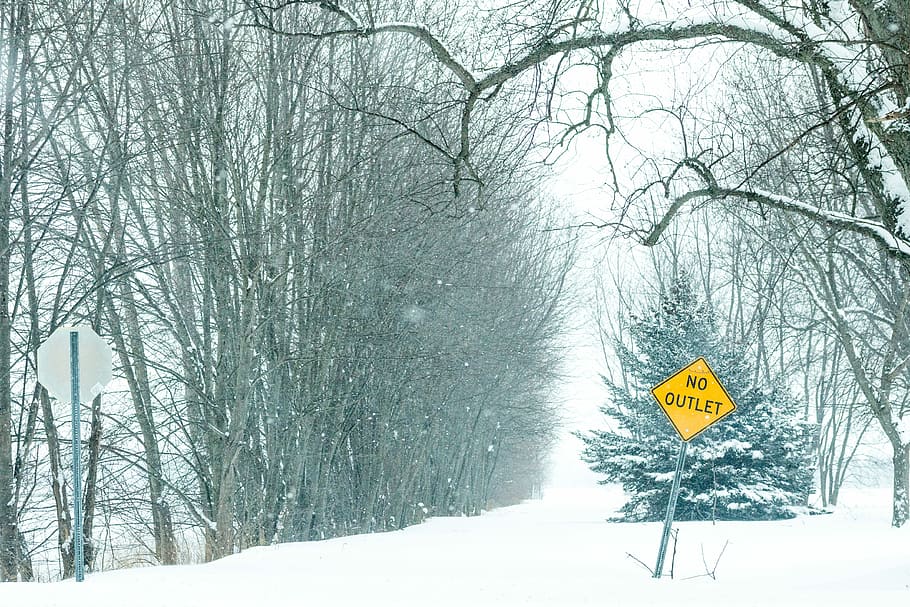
(558, 551)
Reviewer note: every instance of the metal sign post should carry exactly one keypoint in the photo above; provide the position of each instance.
(78, 556)
(75, 364)
(671, 510)
(693, 399)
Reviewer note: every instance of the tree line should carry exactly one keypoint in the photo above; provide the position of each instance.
(813, 156)
(317, 329)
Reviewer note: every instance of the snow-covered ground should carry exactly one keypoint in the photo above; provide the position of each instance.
(558, 551)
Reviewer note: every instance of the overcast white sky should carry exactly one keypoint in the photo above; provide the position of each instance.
(645, 80)
(577, 185)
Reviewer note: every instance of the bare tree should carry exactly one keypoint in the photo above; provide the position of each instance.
(853, 53)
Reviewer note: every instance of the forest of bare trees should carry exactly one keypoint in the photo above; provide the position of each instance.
(316, 331)
(314, 235)
(830, 171)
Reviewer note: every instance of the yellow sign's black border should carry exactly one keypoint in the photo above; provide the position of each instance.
(677, 372)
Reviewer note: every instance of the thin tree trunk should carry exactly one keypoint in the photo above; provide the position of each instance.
(91, 483)
(64, 519)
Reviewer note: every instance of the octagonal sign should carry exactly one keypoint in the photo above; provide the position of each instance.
(95, 360)
(693, 399)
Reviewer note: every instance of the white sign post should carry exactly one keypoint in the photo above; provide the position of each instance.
(75, 364)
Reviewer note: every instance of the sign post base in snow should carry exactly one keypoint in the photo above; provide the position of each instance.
(671, 510)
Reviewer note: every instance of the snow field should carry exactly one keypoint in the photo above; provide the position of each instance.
(559, 551)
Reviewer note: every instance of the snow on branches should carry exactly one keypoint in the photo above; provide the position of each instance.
(856, 47)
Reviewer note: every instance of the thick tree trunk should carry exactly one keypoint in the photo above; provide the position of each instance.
(9, 536)
(901, 491)
(224, 514)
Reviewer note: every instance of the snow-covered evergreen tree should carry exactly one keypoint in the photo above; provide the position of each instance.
(753, 465)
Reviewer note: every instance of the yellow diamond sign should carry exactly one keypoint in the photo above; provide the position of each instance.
(693, 399)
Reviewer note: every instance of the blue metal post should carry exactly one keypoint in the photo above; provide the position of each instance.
(671, 510)
(78, 556)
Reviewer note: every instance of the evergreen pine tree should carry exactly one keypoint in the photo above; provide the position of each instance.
(753, 465)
